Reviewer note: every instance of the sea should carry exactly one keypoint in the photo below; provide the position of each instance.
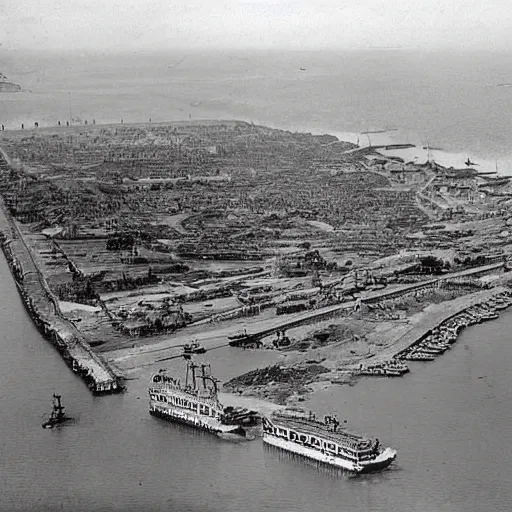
(457, 103)
(450, 419)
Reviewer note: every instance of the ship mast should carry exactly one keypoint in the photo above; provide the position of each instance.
(203, 371)
(193, 368)
(58, 408)
(208, 376)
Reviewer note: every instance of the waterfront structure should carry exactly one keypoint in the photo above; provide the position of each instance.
(195, 405)
(296, 432)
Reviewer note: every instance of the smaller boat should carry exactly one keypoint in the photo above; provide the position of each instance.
(239, 335)
(501, 303)
(57, 416)
(419, 356)
(193, 348)
(244, 339)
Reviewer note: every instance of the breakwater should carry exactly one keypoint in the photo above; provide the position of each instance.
(43, 307)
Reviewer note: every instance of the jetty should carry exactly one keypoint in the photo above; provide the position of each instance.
(433, 336)
(43, 307)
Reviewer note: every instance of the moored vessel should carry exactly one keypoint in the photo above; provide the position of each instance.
(195, 403)
(192, 348)
(57, 416)
(325, 442)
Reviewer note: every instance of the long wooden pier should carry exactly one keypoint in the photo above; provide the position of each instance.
(43, 307)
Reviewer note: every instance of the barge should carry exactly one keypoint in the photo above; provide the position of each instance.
(301, 434)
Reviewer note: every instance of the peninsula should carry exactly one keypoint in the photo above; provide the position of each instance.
(338, 260)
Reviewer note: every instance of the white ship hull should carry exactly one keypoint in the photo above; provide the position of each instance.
(184, 417)
(383, 460)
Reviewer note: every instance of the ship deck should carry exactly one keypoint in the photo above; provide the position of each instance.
(341, 436)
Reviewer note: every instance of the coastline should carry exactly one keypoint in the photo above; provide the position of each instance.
(267, 383)
(42, 306)
(380, 137)
(455, 159)
(113, 353)
(413, 95)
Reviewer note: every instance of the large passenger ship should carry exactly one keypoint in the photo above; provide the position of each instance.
(301, 434)
(195, 402)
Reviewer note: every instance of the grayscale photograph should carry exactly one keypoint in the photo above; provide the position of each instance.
(256, 255)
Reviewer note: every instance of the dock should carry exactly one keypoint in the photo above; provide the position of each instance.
(416, 334)
(43, 307)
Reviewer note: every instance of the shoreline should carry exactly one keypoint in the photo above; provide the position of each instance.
(283, 322)
(42, 306)
(384, 137)
(388, 362)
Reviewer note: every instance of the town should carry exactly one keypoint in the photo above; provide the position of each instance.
(132, 244)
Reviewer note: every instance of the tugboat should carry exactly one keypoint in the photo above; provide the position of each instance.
(57, 416)
(192, 348)
(197, 405)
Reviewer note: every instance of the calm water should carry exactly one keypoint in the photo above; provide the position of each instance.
(451, 421)
(450, 100)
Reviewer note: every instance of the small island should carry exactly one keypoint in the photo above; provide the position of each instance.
(6, 86)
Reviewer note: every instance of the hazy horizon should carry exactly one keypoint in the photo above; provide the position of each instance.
(254, 24)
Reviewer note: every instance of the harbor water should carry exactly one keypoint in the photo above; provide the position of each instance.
(450, 420)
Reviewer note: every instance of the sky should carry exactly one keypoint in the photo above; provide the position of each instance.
(281, 24)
